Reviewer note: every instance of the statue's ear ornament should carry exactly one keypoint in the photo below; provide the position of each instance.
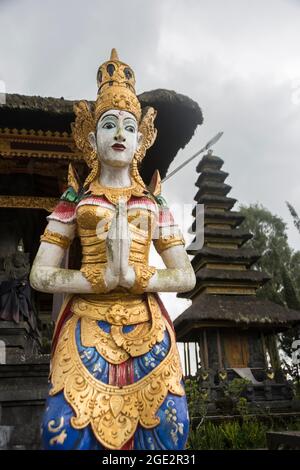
(154, 186)
(81, 128)
(148, 131)
(83, 125)
(73, 180)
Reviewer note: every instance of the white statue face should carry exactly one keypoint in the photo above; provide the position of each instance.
(117, 138)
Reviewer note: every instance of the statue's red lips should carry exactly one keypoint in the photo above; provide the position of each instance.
(119, 147)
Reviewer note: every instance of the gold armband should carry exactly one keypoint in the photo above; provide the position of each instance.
(142, 276)
(165, 242)
(56, 239)
(95, 275)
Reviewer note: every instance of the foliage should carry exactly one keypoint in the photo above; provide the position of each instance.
(232, 400)
(295, 216)
(278, 259)
(235, 388)
(249, 434)
(282, 264)
(197, 400)
(245, 432)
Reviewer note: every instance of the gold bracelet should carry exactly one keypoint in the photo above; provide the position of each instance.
(142, 276)
(56, 239)
(163, 243)
(95, 275)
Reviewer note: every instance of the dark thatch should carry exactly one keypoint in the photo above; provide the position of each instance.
(177, 118)
(246, 256)
(240, 310)
(217, 176)
(237, 235)
(211, 161)
(227, 217)
(213, 200)
(212, 187)
(247, 276)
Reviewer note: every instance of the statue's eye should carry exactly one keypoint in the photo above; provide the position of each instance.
(130, 129)
(109, 125)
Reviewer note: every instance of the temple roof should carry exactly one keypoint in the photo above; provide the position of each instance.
(215, 201)
(211, 175)
(209, 161)
(244, 255)
(176, 121)
(211, 216)
(237, 235)
(237, 310)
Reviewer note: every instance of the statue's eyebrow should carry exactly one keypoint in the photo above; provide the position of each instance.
(108, 115)
(129, 118)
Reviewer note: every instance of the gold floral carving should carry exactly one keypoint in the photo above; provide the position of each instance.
(112, 194)
(72, 178)
(165, 242)
(118, 309)
(93, 336)
(28, 202)
(67, 149)
(137, 342)
(113, 412)
(142, 276)
(83, 125)
(149, 133)
(95, 275)
(56, 238)
(116, 88)
(117, 98)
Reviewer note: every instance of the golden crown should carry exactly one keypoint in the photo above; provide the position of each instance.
(116, 88)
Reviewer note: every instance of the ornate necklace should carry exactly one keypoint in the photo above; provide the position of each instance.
(113, 194)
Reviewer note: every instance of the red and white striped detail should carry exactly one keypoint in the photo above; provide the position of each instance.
(165, 218)
(65, 212)
(142, 203)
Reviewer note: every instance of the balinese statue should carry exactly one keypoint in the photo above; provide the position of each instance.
(116, 377)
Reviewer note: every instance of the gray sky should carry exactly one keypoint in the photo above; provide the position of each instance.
(238, 59)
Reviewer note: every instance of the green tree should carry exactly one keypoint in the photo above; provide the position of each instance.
(295, 216)
(280, 262)
(278, 259)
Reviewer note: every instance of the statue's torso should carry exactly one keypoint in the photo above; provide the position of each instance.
(94, 216)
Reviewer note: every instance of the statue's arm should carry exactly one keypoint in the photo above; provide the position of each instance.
(168, 241)
(178, 276)
(47, 275)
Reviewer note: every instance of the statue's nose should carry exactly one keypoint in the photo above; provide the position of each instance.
(119, 137)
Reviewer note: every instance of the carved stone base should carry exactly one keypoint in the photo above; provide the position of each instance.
(23, 390)
(17, 343)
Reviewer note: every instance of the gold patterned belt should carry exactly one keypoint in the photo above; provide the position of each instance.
(116, 309)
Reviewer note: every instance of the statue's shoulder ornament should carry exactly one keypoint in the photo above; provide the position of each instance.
(74, 193)
(65, 210)
(155, 190)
